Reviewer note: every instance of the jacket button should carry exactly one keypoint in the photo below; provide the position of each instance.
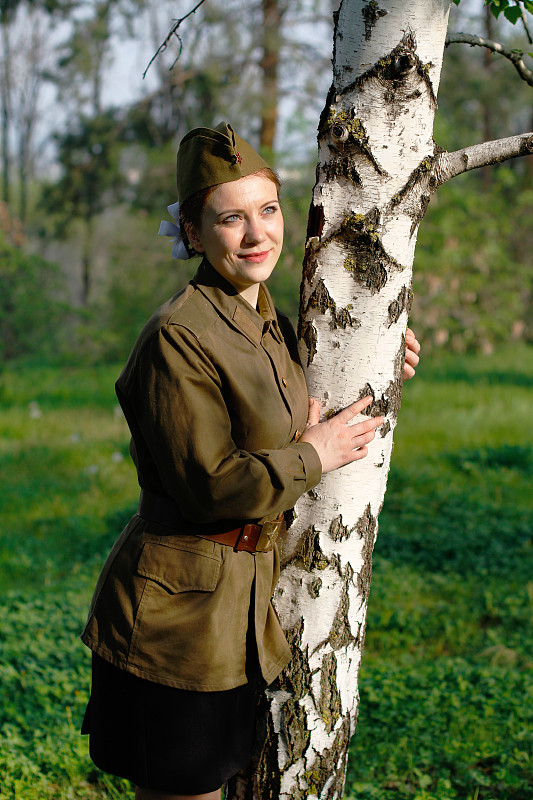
(284, 381)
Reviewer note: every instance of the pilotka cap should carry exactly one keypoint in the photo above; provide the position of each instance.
(209, 156)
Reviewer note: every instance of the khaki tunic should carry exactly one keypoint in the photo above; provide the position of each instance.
(215, 399)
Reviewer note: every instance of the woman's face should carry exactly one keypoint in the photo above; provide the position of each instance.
(241, 230)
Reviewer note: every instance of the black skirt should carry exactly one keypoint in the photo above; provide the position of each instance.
(173, 740)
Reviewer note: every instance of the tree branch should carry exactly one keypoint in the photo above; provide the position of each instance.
(514, 56)
(524, 22)
(172, 32)
(449, 165)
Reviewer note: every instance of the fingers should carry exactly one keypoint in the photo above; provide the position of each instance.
(313, 414)
(411, 341)
(353, 409)
(411, 358)
(408, 372)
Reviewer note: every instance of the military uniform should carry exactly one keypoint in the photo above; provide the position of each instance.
(215, 399)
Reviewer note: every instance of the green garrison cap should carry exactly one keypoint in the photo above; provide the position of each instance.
(209, 156)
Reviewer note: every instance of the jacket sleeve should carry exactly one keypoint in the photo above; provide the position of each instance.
(182, 416)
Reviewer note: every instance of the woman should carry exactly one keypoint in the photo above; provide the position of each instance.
(225, 440)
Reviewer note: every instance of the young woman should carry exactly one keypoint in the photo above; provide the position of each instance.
(225, 440)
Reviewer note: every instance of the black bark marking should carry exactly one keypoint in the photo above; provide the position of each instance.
(401, 304)
(343, 166)
(262, 777)
(371, 13)
(420, 173)
(389, 402)
(397, 71)
(332, 94)
(329, 702)
(337, 530)
(294, 729)
(341, 318)
(385, 429)
(332, 761)
(315, 221)
(310, 554)
(320, 299)
(346, 136)
(366, 528)
(417, 218)
(314, 587)
(296, 677)
(367, 261)
(290, 516)
(307, 332)
(312, 246)
(341, 633)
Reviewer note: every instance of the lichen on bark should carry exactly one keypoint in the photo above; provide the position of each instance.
(337, 530)
(341, 632)
(366, 528)
(310, 555)
(329, 702)
(330, 763)
(366, 259)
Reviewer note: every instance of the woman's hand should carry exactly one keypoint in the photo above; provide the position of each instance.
(412, 349)
(336, 442)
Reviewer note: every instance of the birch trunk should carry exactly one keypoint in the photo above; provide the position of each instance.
(375, 147)
(378, 166)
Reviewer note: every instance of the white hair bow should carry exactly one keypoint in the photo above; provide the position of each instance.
(170, 229)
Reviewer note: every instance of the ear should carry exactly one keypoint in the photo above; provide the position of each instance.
(194, 239)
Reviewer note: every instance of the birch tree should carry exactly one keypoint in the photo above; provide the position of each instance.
(377, 170)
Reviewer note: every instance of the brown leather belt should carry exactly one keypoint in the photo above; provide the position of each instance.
(249, 536)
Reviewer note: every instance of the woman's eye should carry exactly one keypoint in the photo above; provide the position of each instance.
(231, 218)
(270, 209)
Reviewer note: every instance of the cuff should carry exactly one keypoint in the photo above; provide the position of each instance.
(311, 462)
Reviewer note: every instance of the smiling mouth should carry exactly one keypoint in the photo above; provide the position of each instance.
(255, 257)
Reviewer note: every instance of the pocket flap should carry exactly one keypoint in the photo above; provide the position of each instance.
(179, 570)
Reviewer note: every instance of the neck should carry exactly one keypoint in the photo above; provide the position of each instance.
(251, 294)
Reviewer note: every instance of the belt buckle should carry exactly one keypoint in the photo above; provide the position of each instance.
(270, 531)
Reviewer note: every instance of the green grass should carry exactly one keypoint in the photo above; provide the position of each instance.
(446, 682)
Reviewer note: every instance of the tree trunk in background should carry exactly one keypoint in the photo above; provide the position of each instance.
(375, 152)
(272, 18)
(488, 109)
(6, 103)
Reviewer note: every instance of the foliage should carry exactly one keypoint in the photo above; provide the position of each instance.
(31, 309)
(90, 177)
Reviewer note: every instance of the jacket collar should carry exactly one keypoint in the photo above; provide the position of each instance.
(228, 302)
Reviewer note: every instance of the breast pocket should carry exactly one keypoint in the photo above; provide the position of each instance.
(191, 567)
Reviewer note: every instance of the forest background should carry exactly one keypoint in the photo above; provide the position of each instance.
(88, 168)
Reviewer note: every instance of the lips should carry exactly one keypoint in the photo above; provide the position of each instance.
(255, 258)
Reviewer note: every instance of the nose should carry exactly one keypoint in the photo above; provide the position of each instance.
(255, 230)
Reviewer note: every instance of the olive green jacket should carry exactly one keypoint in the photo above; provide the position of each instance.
(215, 399)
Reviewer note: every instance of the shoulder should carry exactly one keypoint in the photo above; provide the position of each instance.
(188, 309)
(175, 328)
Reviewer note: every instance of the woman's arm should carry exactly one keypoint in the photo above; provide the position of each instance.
(176, 397)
